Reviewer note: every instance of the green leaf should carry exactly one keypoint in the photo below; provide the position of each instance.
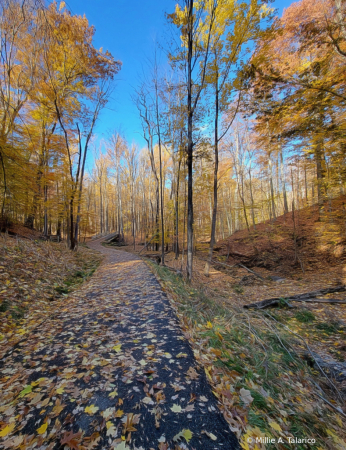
(25, 391)
(176, 408)
(186, 434)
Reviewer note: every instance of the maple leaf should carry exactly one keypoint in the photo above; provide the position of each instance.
(191, 373)
(186, 434)
(72, 439)
(176, 408)
(107, 413)
(7, 430)
(111, 430)
(91, 410)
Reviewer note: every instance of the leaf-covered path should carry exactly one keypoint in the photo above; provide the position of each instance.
(112, 364)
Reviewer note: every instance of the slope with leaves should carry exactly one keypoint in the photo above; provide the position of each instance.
(264, 388)
(35, 278)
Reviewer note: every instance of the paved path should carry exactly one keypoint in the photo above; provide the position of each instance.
(111, 370)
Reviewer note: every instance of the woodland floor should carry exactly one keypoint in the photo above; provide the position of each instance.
(110, 368)
(266, 359)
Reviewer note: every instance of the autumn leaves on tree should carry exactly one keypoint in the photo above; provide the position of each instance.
(53, 86)
(242, 123)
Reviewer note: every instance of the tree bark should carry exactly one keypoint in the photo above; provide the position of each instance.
(215, 182)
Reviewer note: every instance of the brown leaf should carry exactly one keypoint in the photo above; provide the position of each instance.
(72, 439)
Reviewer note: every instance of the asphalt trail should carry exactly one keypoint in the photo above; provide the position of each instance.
(110, 370)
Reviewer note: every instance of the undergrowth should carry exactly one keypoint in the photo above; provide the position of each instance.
(33, 275)
(264, 386)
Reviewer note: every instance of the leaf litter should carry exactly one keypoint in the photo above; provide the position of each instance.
(78, 380)
(257, 369)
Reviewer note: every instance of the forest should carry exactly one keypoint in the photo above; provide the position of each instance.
(237, 197)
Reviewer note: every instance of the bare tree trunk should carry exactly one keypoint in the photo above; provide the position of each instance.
(177, 212)
(189, 160)
(283, 182)
(215, 184)
(320, 172)
(252, 201)
(272, 197)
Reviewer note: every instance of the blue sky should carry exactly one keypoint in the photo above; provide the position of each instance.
(128, 29)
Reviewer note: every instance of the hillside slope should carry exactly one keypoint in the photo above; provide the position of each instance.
(295, 241)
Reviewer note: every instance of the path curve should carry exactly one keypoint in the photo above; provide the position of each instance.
(111, 363)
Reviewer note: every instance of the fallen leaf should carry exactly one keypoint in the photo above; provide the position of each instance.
(7, 430)
(107, 413)
(245, 396)
(147, 401)
(275, 426)
(92, 409)
(25, 391)
(176, 408)
(72, 439)
(186, 434)
(210, 435)
(42, 428)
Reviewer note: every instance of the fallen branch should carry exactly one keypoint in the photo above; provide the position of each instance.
(238, 264)
(223, 264)
(249, 270)
(308, 297)
(337, 408)
(311, 353)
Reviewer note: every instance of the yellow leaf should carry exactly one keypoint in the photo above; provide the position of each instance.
(42, 428)
(219, 335)
(117, 348)
(7, 430)
(187, 435)
(119, 413)
(60, 391)
(208, 374)
(92, 409)
(209, 325)
(113, 394)
(62, 5)
(275, 426)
